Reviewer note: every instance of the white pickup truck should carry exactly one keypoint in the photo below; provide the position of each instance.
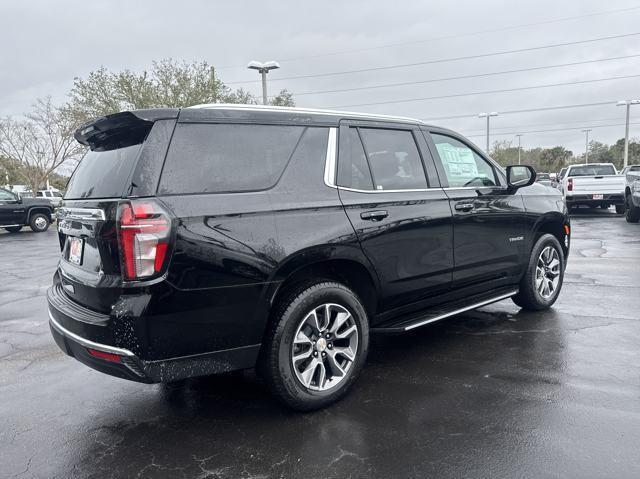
(593, 185)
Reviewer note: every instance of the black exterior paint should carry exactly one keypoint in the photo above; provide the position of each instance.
(19, 210)
(233, 252)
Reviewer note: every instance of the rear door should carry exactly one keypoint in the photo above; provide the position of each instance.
(488, 220)
(400, 214)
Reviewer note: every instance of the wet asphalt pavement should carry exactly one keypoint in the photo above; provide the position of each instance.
(493, 393)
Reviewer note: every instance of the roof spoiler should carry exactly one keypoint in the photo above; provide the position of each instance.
(121, 129)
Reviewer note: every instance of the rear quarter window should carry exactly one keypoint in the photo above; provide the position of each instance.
(216, 158)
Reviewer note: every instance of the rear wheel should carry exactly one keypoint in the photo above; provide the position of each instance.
(620, 209)
(39, 222)
(13, 229)
(316, 345)
(632, 213)
(542, 281)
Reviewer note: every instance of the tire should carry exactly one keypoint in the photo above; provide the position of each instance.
(530, 297)
(39, 222)
(620, 209)
(632, 213)
(13, 229)
(289, 378)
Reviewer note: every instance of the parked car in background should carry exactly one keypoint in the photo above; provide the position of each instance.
(544, 179)
(594, 185)
(54, 196)
(557, 182)
(223, 237)
(632, 193)
(17, 211)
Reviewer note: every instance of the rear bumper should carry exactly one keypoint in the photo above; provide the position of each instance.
(77, 330)
(608, 199)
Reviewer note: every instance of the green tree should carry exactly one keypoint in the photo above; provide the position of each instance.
(553, 159)
(166, 84)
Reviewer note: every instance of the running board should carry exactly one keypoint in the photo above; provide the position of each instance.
(451, 309)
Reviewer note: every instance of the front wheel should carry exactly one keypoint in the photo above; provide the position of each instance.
(39, 223)
(542, 281)
(632, 213)
(316, 345)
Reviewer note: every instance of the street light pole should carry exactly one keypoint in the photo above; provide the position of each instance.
(586, 145)
(487, 116)
(519, 135)
(263, 69)
(628, 104)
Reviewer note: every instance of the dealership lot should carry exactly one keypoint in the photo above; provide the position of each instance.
(489, 393)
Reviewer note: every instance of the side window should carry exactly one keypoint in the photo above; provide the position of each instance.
(394, 159)
(216, 158)
(6, 196)
(462, 165)
(40, 193)
(353, 170)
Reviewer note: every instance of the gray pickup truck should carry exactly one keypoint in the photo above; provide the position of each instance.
(16, 212)
(632, 193)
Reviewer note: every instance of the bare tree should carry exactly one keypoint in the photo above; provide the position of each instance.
(39, 144)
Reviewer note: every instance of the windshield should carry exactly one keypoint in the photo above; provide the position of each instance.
(102, 174)
(592, 170)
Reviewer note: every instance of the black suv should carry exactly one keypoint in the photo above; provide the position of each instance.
(16, 212)
(217, 238)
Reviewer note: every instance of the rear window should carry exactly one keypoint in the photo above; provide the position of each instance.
(592, 170)
(543, 176)
(102, 174)
(215, 158)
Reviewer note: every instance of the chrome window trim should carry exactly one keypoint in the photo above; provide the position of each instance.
(87, 343)
(413, 190)
(87, 214)
(330, 159)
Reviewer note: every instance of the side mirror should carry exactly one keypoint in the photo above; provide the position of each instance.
(18, 198)
(519, 176)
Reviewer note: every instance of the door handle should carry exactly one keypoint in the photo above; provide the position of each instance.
(464, 206)
(374, 215)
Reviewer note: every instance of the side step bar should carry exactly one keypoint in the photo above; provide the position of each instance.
(415, 321)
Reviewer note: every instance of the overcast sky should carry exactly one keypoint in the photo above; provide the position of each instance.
(46, 44)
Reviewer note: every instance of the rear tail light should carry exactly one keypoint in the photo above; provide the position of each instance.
(144, 232)
(570, 184)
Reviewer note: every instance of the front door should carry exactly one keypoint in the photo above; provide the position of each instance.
(402, 220)
(489, 234)
(11, 211)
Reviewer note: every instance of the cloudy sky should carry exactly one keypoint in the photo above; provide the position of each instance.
(416, 44)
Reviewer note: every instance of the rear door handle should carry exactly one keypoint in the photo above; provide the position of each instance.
(464, 206)
(374, 215)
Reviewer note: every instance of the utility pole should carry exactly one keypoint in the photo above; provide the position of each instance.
(628, 104)
(487, 116)
(586, 144)
(263, 69)
(519, 135)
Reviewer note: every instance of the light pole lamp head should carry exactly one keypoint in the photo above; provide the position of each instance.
(260, 66)
(627, 102)
(485, 115)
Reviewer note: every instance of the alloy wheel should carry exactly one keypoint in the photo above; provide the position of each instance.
(548, 272)
(325, 347)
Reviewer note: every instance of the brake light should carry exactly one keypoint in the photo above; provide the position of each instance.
(570, 184)
(144, 232)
